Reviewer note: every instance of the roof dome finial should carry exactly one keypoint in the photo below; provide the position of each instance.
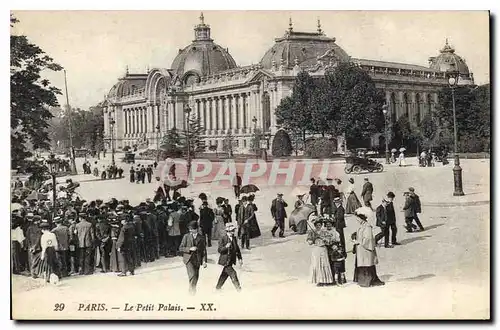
(447, 48)
(126, 70)
(319, 27)
(290, 24)
(202, 19)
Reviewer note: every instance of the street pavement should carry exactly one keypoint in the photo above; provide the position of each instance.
(440, 273)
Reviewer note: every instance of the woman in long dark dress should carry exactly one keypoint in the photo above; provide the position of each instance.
(253, 224)
(45, 261)
(365, 273)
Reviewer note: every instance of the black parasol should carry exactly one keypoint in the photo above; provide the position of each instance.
(249, 188)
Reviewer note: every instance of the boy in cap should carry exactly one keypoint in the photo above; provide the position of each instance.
(229, 252)
(391, 217)
(125, 245)
(194, 254)
(207, 218)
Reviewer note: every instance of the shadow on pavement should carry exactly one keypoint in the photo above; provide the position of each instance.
(433, 226)
(416, 278)
(413, 239)
(386, 277)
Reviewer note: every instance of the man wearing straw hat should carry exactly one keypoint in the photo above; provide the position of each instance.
(229, 252)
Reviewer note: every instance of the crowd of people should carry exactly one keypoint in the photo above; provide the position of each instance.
(114, 236)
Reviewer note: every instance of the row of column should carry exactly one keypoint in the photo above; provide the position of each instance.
(141, 120)
(218, 113)
(413, 104)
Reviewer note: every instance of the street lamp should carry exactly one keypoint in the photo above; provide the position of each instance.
(112, 140)
(157, 143)
(384, 110)
(53, 170)
(453, 77)
(187, 110)
(257, 137)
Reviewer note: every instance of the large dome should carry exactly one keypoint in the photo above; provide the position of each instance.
(302, 48)
(449, 61)
(202, 57)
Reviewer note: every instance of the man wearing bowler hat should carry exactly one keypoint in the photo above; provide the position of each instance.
(229, 252)
(278, 212)
(194, 254)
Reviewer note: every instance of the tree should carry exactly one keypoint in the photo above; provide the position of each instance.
(31, 96)
(228, 144)
(472, 107)
(354, 101)
(427, 132)
(282, 145)
(322, 148)
(171, 144)
(403, 130)
(196, 142)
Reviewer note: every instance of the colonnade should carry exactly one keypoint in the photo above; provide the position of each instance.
(415, 105)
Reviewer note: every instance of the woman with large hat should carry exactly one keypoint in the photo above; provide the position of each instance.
(353, 202)
(321, 272)
(365, 273)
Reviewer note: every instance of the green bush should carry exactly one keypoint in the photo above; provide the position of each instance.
(282, 145)
(321, 148)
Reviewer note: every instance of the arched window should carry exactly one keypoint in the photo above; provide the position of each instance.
(406, 105)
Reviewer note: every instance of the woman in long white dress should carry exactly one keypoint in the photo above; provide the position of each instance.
(401, 158)
(321, 272)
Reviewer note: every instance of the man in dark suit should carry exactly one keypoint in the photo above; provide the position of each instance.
(207, 218)
(236, 182)
(86, 238)
(367, 193)
(229, 252)
(125, 245)
(194, 254)
(278, 213)
(63, 238)
(339, 215)
(314, 192)
(381, 214)
(103, 233)
(391, 217)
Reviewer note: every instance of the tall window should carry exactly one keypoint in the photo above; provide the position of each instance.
(210, 114)
(266, 111)
(418, 115)
(237, 112)
(217, 114)
(406, 105)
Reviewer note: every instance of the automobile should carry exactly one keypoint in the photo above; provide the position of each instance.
(129, 158)
(358, 164)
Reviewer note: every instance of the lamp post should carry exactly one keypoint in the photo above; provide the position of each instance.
(457, 170)
(187, 110)
(384, 110)
(53, 169)
(157, 143)
(112, 140)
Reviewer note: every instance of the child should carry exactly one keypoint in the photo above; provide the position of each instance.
(336, 254)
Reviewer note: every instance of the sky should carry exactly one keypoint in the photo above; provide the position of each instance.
(95, 47)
